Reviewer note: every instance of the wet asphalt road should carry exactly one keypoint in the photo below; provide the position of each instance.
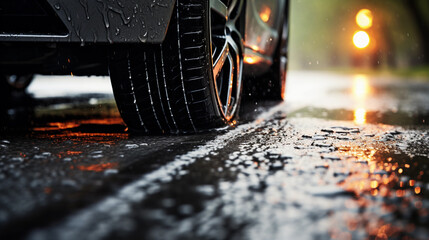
(345, 157)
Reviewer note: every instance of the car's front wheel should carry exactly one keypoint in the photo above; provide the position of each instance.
(190, 82)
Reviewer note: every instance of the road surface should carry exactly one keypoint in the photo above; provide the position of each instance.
(344, 157)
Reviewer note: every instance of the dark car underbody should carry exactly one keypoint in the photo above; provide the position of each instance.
(65, 37)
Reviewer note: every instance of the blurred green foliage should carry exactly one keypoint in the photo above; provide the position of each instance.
(322, 31)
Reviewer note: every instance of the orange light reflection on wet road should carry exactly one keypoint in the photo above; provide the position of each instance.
(361, 89)
(359, 116)
(97, 167)
(52, 126)
(374, 180)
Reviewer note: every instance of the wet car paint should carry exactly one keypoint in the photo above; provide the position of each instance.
(290, 170)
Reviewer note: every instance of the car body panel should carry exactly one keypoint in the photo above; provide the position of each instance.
(93, 27)
(103, 21)
(263, 22)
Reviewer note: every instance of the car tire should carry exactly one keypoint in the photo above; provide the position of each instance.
(190, 82)
(279, 69)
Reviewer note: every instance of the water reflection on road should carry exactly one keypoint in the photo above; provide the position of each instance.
(361, 90)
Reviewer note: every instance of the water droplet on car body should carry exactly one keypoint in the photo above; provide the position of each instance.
(120, 4)
(84, 4)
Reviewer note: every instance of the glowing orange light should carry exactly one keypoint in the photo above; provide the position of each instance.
(374, 184)
(265, 14)
(74, 152)
(254, 48)
(400, 171)
(417, 190)
(73, 124)
(361, 39)
(364, 18)
(360, 116)
(98, 167)
(249, 60)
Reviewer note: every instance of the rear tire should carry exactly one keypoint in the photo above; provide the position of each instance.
(272, 85)
(179, 85)
(277, 86)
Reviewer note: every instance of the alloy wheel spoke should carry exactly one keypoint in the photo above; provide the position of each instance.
(219, 7)
(235, 49)
(235, 10)
(230, 84)
(220, 61)
(231, 7)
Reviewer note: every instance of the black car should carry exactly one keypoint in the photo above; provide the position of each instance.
(175, 65)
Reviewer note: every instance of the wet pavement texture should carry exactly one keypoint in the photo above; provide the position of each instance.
(344, 157)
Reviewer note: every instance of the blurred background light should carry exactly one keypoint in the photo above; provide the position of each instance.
(364, 18)
(321, 35)
(361, 39)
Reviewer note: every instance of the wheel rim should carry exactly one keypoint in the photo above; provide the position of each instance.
(227, 54)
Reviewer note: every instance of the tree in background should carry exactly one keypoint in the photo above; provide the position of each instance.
(322, 31)
(419, 12)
